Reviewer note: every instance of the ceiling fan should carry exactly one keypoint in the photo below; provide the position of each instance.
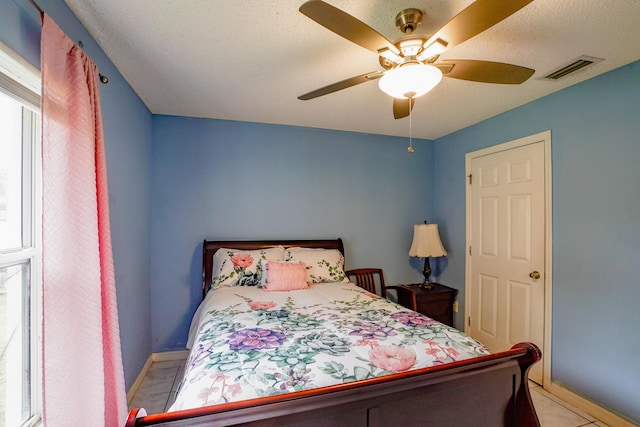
(411, 63)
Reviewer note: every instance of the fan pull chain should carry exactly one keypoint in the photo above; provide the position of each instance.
(410, 148)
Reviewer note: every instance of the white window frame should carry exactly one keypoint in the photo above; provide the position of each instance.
(21, 81)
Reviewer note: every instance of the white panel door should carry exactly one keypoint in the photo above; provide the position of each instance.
(507, 221)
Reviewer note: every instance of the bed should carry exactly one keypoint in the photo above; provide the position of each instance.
(269, 349)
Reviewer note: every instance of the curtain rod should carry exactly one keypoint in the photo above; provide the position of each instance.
(103, 79)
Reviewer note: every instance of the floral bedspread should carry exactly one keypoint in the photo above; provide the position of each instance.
(250, 343)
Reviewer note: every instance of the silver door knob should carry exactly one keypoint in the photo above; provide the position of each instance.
(534, 275)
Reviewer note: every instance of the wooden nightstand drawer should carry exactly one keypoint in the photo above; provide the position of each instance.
(438, 310)
(436, 302)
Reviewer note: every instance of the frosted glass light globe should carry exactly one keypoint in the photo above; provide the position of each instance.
(410, 80)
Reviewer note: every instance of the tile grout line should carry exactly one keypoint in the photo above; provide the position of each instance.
(170, 397)
(587, 420)
(166, 402)
(566, 406)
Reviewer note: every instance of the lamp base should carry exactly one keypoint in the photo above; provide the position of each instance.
(426, 272)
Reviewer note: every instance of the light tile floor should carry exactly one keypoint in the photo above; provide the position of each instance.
(157, 392)
(553, 412)
(157, 389)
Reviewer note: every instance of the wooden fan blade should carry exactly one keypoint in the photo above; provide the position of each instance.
(477, 17)
(485, 71)
(402, 107)
(341, 85)
(346, 26)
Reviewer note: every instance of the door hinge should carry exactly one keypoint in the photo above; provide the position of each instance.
(469, 250)
(470, 176)
(469, 320)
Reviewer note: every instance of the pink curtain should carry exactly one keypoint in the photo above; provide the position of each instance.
(83, 375)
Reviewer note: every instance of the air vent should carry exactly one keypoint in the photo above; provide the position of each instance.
(575, 65)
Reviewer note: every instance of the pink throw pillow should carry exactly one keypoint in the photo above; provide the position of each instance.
(286, 276)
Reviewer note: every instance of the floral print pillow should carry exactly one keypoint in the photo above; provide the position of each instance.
(323, 265)
(235, 267)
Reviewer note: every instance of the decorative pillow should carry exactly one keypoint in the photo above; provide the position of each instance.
(235, 267)
(323, 265)
(265, 273)
(285, 276)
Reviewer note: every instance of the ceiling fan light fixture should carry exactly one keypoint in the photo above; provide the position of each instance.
(390, 55)
(410, 80)
(435, 48)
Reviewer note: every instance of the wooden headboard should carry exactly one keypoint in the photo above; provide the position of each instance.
(209, 247)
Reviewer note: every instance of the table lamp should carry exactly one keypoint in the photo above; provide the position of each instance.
(426, 243)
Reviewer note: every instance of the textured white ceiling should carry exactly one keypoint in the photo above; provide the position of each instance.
(248, 60)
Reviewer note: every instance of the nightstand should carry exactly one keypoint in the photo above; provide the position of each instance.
(436, 302)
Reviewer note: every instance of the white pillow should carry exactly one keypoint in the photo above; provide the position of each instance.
(236, 267)
(323, 265)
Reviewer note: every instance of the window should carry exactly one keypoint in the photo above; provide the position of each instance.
(20, 247)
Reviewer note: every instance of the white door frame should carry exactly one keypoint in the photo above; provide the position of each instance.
(546, 138)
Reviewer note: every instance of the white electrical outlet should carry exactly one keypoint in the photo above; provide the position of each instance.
(455, 306)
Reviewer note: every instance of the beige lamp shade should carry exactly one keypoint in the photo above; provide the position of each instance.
(426, 241)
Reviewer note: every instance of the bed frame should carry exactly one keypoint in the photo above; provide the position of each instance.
(490, 390)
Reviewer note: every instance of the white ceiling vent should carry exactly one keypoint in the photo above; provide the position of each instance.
(575, 65)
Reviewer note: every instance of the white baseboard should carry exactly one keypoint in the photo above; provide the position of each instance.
(589, 407)
(164, 356)
(136, 384)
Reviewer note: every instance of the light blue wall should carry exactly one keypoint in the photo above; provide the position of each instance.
(232, 180)
(127, 130)
(220, 179)
(595, 129)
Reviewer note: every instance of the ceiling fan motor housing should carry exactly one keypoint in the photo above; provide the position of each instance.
(408, 20)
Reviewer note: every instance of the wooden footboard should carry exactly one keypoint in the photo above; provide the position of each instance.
(486, 391)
